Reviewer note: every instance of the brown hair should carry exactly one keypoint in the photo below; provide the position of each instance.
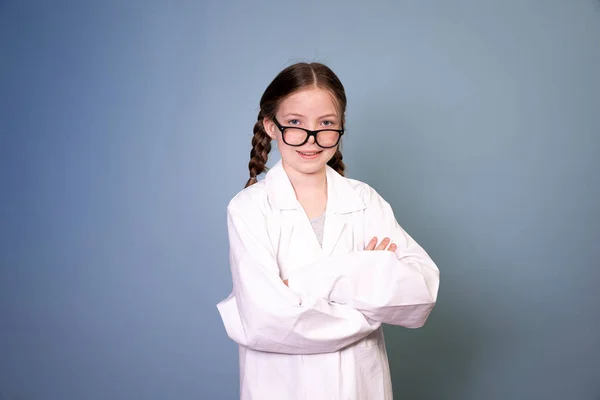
(288, 81)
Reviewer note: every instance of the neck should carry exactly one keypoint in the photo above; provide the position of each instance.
(303, 183)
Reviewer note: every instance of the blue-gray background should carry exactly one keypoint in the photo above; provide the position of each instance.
(125, 129)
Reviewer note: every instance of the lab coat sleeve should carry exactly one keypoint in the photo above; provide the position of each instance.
(263, 314)
(394, 288)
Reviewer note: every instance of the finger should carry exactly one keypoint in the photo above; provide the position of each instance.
(393, 247)
(371, 244)
(384, 243)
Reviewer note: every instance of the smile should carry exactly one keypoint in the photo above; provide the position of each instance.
(309, 155)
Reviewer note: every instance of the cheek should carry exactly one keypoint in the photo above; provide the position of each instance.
(281, 146)
(329, 153)
(284, 149)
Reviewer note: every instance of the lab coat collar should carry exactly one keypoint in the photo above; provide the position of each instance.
(341, 196)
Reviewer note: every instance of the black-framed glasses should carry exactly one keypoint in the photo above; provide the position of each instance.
(296, 136)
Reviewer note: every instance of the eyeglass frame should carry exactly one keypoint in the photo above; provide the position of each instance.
(309, 133)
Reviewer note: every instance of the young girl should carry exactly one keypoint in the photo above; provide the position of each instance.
(318, 260)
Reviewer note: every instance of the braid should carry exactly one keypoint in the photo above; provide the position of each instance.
(336, 162)
(261, 146)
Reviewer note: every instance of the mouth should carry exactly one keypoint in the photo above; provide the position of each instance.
(309, 154)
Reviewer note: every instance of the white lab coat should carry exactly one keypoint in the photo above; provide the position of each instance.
(321, 337)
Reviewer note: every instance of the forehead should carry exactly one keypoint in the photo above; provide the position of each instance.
(309, 102)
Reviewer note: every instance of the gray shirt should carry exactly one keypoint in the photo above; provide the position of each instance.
(318, 225)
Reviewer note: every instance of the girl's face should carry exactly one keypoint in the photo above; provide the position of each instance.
(311, 109)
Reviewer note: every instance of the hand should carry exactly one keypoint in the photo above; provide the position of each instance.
(372, 245)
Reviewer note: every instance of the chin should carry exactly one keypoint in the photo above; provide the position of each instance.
(304, 167)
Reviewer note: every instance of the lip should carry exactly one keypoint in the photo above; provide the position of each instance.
(316, 154)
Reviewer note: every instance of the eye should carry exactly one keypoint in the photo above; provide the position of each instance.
(328, 123)
(293, 122)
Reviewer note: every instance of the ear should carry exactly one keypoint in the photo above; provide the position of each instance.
(270, 128)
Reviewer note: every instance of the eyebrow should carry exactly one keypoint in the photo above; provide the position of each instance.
(302, 116)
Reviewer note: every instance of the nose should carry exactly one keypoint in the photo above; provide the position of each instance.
(311, 139)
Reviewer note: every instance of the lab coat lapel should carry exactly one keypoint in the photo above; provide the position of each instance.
(279, 189)
(334, 227)
(342, 200)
